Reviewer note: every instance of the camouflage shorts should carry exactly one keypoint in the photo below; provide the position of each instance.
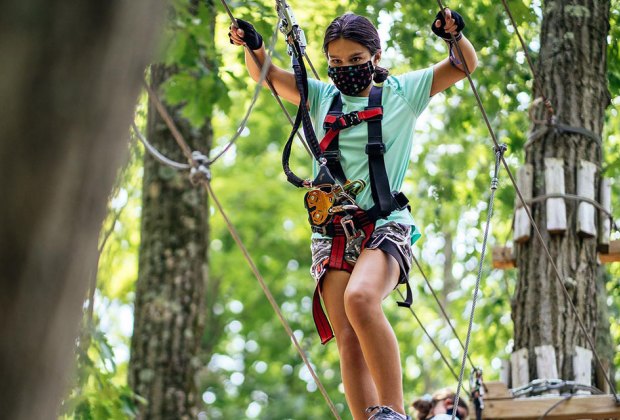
(392, 238)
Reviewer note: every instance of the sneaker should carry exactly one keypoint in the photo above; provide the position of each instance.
(382, 412)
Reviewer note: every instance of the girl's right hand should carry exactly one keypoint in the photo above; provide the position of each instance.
(243, 33)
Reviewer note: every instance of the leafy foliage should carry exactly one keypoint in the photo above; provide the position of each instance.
(251, 370)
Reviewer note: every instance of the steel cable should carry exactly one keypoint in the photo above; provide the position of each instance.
(558, 276)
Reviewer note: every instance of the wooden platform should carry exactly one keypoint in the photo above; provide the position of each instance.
(500, 405)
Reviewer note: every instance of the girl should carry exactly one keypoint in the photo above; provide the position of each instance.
(353, 289)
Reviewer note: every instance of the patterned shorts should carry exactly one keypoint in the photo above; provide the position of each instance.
(392, 238)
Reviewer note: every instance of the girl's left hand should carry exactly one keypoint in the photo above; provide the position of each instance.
(453, 23)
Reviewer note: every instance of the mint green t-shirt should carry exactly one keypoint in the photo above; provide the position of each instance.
(404, 98)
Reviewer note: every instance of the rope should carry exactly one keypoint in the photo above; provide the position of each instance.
(554, 406)
(257, 90)
(267, 80)
(577, 198)
(445, 360)
(198, 161)
(156, 153)
(529, 60)
(270, 297)
(547, 253)
(442, 309)
(499, 153)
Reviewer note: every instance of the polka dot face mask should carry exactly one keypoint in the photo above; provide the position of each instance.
(351, 80)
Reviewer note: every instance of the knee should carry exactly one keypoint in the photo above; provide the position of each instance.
(361, 305)
(348, 343)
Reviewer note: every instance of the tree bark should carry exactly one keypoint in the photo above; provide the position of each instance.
(170, 293)
(69, 79)
(572, 70)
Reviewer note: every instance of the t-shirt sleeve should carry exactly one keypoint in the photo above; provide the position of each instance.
(317, 90)
(416, 86)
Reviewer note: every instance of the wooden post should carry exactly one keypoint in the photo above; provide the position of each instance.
(554, 184)
(582, 366)
(604, 222)
(519, 371)
(503, 257)
(546, 365)
(586, 214)
(525, 181)
(504, 372)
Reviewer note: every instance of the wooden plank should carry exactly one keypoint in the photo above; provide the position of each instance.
(604, 222)
(554, 184)
(586, 214)
(613, 254)
(525, 182)
(503, 258)
(496, 390)
(582, 366)
(577, 407)
(546, 365)
(520, 371)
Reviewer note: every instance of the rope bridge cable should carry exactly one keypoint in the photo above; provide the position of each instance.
(547, 253)
(160, 157)
(442, 308)
(529, 60)
(430, 337)
(233, 20)
(257, 90)
(588, 134)
(199, 165)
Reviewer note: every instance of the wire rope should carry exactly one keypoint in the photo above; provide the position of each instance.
(547, 253)
(267, 80)
(193, 157)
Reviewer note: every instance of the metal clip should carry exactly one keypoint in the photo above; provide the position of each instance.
(290, 28)
(355, 238)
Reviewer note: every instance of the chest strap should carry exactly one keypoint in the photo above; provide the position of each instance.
(385, 200)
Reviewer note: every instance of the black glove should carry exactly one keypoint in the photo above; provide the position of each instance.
(252, 39)
(440, 32)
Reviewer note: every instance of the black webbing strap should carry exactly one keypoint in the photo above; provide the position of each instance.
(302, 119)
(375, 149)
(332, 153)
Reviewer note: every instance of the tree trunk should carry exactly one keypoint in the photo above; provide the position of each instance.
(69, 79)
(572, 69)
(168, 311)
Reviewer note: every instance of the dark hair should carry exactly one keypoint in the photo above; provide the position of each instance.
(358, 29)
(424, 406)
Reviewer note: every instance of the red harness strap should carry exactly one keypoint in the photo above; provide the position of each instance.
(337, 123)
(337, 262)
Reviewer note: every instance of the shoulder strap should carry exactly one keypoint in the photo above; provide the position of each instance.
(375, 149)
(332, 152)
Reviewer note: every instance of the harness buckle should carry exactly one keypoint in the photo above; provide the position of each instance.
(352, 118)
(332, 156)
(375, 149)
(354, 239)
(348, 226)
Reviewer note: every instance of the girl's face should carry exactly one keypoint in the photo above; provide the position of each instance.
(344, 52)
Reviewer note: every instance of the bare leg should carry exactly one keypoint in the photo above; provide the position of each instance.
(359, 388)
(374, 277)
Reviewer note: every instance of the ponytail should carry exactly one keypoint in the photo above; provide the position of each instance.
(380, 75)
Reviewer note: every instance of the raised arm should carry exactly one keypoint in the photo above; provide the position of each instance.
(283, 81)
(450, 70)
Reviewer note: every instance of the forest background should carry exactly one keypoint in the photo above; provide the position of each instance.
(247, 365)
